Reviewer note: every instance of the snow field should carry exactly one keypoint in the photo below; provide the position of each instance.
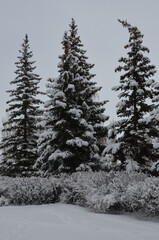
(69, 222)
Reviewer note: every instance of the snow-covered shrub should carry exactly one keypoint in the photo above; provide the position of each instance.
(151, 196)
(143, 196)
(113, 192)
(108, 188)
(78, 188)
(75, 188)
(34, 190)
(4, 201)
(132, 198)
(105, 196)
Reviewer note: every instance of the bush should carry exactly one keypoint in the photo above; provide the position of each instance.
(113, 192)
(34, 190)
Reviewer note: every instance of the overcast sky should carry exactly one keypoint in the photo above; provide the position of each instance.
(102, 35)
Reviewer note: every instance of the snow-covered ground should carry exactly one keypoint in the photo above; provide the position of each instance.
(68, 222)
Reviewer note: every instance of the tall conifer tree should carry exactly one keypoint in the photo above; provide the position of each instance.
(133, 149)
(72, 115)
(20, 142)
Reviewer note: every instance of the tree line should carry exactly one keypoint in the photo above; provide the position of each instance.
(68, 132)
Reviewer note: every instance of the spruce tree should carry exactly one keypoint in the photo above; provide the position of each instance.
(133, 149)
(72, 116)
(20, 142)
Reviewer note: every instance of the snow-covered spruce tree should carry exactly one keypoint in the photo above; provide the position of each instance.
(20, 142)
(72, 116)
(133, 149)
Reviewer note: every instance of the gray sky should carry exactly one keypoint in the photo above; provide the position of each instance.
(103, 37)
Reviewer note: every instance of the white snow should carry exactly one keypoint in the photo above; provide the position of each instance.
(76, 112)
(156, 145)
(133, 83)
(59, 154)
(68, 222)
(71, 87)
(59, 94)
(140, 91)
(60, 104)
(77, 142)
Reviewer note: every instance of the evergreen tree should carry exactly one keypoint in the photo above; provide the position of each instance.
(135, 150)
(72, 116)
(20, 142)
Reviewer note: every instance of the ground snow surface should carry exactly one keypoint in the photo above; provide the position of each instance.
(68, 222)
